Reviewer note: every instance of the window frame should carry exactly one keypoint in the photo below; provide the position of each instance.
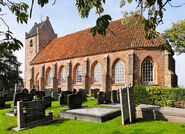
(146, 75)
(79, 76)
(97, 78)
(63, 76)
(115, 74)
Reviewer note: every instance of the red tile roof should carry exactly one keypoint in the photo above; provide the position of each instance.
(119, 37)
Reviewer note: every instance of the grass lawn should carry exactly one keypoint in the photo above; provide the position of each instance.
(65, 126)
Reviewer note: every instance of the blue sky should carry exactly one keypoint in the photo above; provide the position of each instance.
(65, 20)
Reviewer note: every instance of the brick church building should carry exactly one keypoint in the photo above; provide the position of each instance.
(79, 60)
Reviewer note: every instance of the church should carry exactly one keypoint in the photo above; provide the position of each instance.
(79, 60)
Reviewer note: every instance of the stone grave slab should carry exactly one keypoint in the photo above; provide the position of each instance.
(92, 114)
(111, 105)
(160, 113)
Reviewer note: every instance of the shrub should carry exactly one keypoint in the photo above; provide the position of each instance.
(162, 96)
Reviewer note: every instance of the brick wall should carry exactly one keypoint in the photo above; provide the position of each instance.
(139, 55)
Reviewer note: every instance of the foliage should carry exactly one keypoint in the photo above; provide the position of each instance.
(153, 8)
(162, 96)
(9, 70)
(176, 36)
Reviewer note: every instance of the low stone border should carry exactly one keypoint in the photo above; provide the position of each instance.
(160, 113)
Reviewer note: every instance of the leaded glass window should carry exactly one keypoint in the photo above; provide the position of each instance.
(97, 73)
(119, 72)
(49, 76)
(147, 71)
(63, 75)
(79, 74)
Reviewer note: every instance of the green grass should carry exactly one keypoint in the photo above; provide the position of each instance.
(65, 126)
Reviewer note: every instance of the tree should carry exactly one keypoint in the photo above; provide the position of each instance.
(153, 8)
(175, 36)
(9, 70)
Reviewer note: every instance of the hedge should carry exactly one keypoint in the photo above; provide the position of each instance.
(162, 96)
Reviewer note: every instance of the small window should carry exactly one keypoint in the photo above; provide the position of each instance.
(147, 71)
(79, 74)
(31, 45)
(97, 73)
(49, 76)
(119, 72)
(63, 75)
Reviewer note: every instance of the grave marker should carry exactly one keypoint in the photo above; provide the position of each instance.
(30, 114)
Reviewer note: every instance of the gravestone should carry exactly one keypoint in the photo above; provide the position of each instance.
(25, 91)
(54, 94)
(59, 90)
(22, 97)
(33, 92)
(83, 94)
(100, 97)
(131, 104)
(104, 97)
(40, 94)
(31, 114)
(127, 104)
(115, 96)
(124, 105)
(62, 100)
(74, 91)
(47, 101)
(74, 101)
(107, 97)
(2, 102)
(47, 92)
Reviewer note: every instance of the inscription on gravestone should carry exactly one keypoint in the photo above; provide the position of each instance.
(30, 114)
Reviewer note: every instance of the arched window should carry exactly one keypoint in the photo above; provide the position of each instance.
(119, 72)
(97, 73)
(49, 76)
(31, 45)
(63, 75)
(79, 74)
(147, 71)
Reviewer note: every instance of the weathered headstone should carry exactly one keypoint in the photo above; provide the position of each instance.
(131, 104)
(25, 91)
(100, 97)
(74, 101)
(107, 97)
(127, 104)
(22, 97)
(74, 91)
(2, 102)
(83, 94)
(54, 94)
(47, 101)
(124, 105)
(40, 94)
(47, 92)
(30, 114)
(33, 92)
(115, 96)
(62, 99)
(59, 90)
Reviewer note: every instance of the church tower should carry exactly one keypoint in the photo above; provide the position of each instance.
(35, 40)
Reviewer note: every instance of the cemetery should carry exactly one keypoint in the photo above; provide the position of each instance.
(41, 113)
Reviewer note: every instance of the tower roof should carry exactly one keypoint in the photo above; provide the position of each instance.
(33, 30)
